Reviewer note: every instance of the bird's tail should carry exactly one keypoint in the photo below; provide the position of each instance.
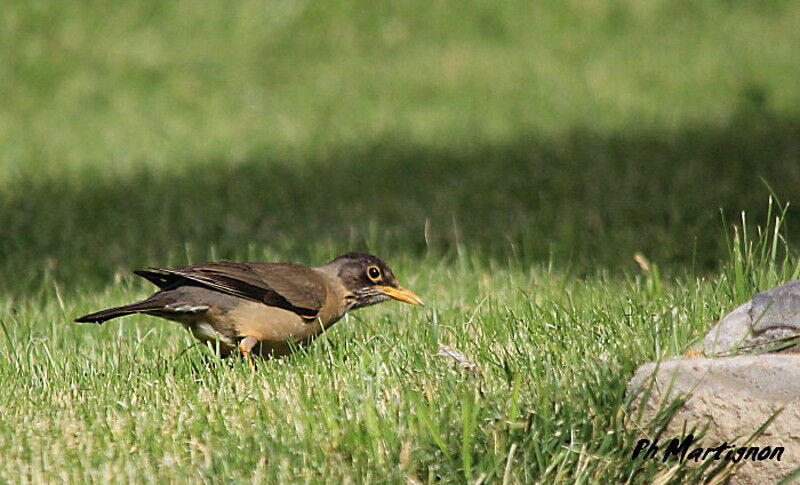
(120, 311)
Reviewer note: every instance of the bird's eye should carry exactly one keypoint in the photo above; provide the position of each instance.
(374, 273)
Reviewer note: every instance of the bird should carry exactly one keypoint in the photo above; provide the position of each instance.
(263, 309)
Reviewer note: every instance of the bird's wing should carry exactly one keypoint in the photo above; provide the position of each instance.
(288, 286)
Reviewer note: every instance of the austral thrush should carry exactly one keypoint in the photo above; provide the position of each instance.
(263, 308)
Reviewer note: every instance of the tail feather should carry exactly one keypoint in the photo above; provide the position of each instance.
(159, 279)
(120, 311)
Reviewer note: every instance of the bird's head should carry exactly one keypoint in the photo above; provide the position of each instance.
(369, 280)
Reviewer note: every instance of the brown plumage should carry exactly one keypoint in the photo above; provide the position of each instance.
(263, 308)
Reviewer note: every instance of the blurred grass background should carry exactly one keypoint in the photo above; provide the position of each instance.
(578, 132)
(506, 158)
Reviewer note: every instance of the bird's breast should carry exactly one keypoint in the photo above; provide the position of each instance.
(272, 324)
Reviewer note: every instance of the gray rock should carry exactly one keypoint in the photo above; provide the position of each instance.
(771, 319)
(734, 396)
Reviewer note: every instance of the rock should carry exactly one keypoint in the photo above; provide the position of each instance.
(769, 320)
(734, 396)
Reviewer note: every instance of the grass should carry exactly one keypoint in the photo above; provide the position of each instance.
(507, 159)
(370, 402)
(138, 401)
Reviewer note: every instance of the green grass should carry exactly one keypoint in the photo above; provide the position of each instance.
(508, 159)
(370, 402)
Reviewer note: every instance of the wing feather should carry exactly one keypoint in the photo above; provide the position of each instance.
(288, 286)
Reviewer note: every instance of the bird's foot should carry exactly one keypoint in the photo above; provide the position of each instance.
(246, 348)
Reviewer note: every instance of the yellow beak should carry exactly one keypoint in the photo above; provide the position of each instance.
(401, 294)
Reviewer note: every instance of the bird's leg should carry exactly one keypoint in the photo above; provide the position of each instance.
(246, 348)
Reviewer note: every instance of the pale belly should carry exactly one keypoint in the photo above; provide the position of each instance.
(278, 331)
(206, 334)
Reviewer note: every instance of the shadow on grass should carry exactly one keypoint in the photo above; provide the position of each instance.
(586, 198)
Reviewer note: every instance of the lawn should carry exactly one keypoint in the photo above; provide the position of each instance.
(507, 159)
